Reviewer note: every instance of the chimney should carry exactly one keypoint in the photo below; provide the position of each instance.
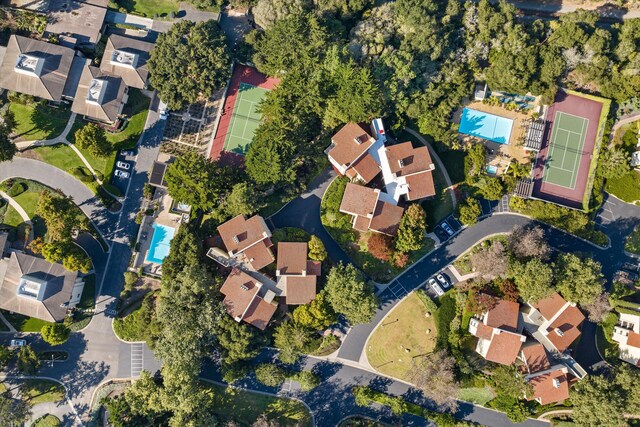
(401, 163)
(236, 240)
(244, 287)
(558, 332)
(556, 383)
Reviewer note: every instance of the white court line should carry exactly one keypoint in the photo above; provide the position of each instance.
(576, 166)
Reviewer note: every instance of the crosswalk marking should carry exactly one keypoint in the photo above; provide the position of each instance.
(137, 359)
(398, 290)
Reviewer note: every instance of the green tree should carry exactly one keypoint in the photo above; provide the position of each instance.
(533, 278)
(350, 295)
(197, 181)
(270, 375)
(413, 227)
(237, 341)
(28, 362)
(189, 61)
(13, 412)
(317, 250)
(60, 215)
(267, 159)
(598, 401)
(316, 315)
(77, 261)
(308, 380)
(186, 251)
(469, 211)
(615, 163)
(294, 340)
(5, 356)
(55, 333)
(578, 280)
(510, 382)
(490, 188)
(242, 200)
(7, 148)
(268, 12)
(93, 138)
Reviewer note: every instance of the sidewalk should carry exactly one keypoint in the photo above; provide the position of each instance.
(15, 205)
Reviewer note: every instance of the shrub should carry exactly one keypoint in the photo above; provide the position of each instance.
(469, 211)
(270, 374)
(429, 304)
(379, 246)
(308, 380)
(55, 333)
(444, 316)
(130, 279)
(17, 189)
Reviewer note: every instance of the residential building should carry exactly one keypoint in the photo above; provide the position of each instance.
(247, 241)
(127, 57)
(34, 287)
(407, 171)
(80, 21)
(550, 383)
(554, 322)
(246, 299)
(100, 96)
(627, 334)
(36, 68)
(297, 276)
(371, 210)
(497, 332)
(349, 153)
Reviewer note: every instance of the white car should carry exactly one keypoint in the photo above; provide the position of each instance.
(18, 343)
(129, 153)
(121, 174)
(443, 281)
(123, 165)
(164, 114)
(436, 288)
(446, 228)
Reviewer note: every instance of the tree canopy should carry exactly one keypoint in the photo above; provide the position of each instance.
(350, 295)
(94, 139)
(578, 280)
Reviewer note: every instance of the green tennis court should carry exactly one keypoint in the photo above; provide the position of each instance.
(565, 150)
(245, 119)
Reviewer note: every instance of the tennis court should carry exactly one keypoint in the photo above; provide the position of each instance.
(245, 118)
(565, 150)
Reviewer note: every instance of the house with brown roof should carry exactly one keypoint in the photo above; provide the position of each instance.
(556, 322)
(297, 275)
(248, 241)
(407, 171)
(100, 96)
(349, 153)
(36, 68)
(550, 384)
(246, 299)
(127, 57)
(34, 287)
(497, 332)
(370, 211)
(80, 21)
(627, 334)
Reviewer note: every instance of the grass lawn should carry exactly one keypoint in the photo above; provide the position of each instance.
(28, 201)
(150, 8)
(46, 421)
(87, 302)
(244, 407)
(24, 323)
(477, 395)
(632, 243)
(38, 121)
(40, 391)
(3, 388)
(626, 188)
(401, 336)
(12, 217)
(604, 333)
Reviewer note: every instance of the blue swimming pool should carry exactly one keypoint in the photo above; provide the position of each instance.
(486, 126)
(492, 169)
(160, 243)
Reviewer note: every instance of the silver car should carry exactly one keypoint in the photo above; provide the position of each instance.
(123, 165)
(446, 228)
(121, 174)
(18, 343)
(435, 287)
(443, 281)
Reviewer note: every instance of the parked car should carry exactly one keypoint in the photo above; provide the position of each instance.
(443, 281)
(435, 287)
(18, 343)
(445, 227)
(121, 174)
(129, 153)
(164, 114)
(123, 165)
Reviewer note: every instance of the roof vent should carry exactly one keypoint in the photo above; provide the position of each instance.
(401, 163)
(244, 287)
(357, 140)
(97, 89)
(29, 64)
(558, 332)
(235, 239)
(124, 59)
(556, 383)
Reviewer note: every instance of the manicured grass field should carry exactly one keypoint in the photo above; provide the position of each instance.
(401, 336)
(46, 421)
(28, 200)
(626, 188)
(477, 395)
(12, 217)
(41, 391)
(24, 323)
(38, 121)
(149, 8)
(245, 408)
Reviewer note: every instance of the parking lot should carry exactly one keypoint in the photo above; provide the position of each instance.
(399, 290)
(121, 181)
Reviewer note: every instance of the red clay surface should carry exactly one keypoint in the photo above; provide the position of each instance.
(578, 106)
(241, 74)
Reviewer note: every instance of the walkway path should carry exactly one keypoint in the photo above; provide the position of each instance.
(623, 121)
(61, 410)
(60, 139)
(25, 218)
(435, 156)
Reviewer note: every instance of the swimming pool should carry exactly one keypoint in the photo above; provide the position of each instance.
(160, 243)
(492, 169)
(486, 126)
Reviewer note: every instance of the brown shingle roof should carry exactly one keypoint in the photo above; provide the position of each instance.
(259, 255)
(346, 150)
(545, 389)
(109, 105)
(239, 290)
(134, 76)
(633, 339)
(549, 306)
(359, 200)
(421, 185)
(301, 289)
(503, 315)
(292, 258)
(314, 268)
(259, 313)
(535, 357)
(504, 347)
(405, 160)
(361, 223)
(367, 167)
(82, 20)
(484, 331)
(569, 323)
(55, 69)
(246, 232)
(386, 218)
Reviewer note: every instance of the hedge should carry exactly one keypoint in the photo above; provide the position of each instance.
(17, 189)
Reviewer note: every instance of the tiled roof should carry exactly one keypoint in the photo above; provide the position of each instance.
(568, 322)
(503, 315)
(361, 223)
(421, 185)
(386, 218)
(259, 255)
(367, 167)
(549, 306)
(346, 150)
(545, 389)
(633, 339)
(314, 268)
(246, 232)
(483, 331)
(405, 160)
(359, 200)
(535, 357)
(504, 347)
(260, 313)
(301, 289)
(239, 290)
(292, 258)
